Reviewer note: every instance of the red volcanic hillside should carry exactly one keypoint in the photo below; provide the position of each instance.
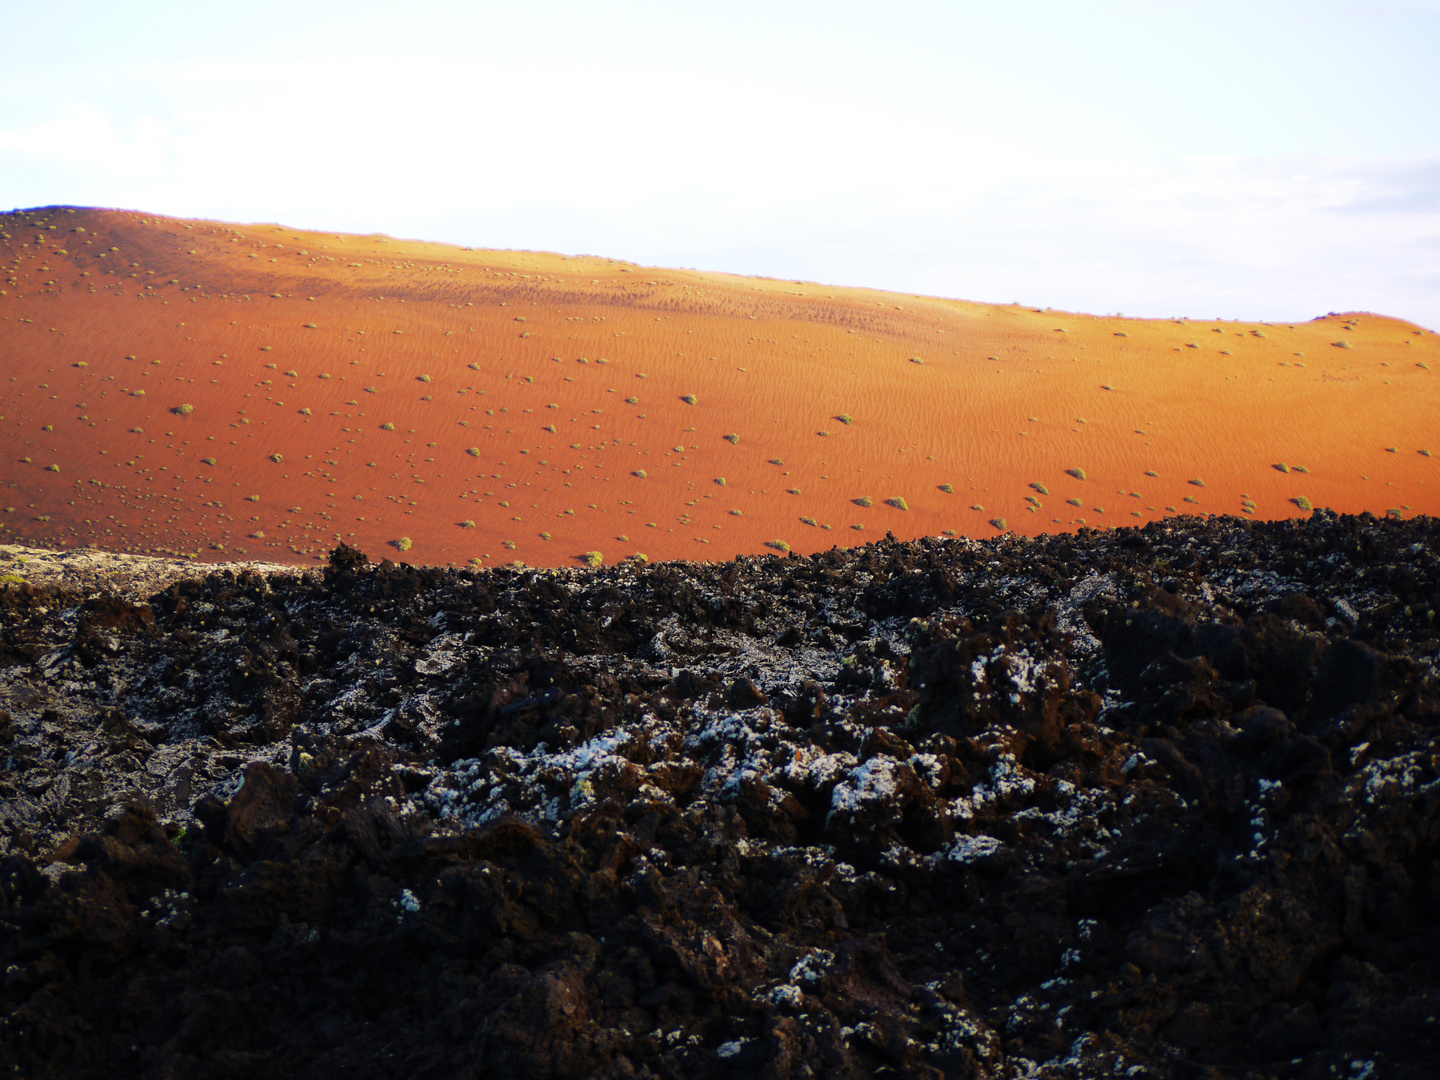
(260, 392)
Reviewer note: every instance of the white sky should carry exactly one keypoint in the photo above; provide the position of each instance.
(1262, 159)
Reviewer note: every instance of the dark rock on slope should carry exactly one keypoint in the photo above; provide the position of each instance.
(1160, 803)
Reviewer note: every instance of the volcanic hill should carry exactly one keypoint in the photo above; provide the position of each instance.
(488, 406)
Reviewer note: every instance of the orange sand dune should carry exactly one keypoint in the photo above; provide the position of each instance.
(256, 391)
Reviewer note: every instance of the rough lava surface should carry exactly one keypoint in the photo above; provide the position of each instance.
(1161, 802)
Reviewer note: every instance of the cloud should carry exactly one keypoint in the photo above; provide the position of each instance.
(1399, 187)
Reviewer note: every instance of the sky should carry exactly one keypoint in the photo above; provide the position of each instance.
(1258, 160)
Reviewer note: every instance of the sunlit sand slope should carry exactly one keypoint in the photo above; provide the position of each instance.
(261, 392)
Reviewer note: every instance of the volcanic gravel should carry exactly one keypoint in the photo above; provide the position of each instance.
(1161, 802)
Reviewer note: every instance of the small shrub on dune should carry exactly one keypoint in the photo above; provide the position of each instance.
(846, 419)
(387, 426)
(1041, 488)
(1302, 502)
(732, 439)
(863, 500)
(689, 399)
(403, 544)
(639, 474)
(898, 503)
(999, 523)
(1197, 482)
(720, 480)
(183, 410)
(52, 468)
(593, 559)
(779, 545)
(467, 524)
(637, 557)
(473, 451)
(948, 489)
(1078, 474)
(277, 458)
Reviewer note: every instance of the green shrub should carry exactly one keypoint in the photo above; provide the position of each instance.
(593, 559)
(1041, 488)
(404, 543)
(1078, 474)
(999, 523)
(863, 500)
(779, 545)
(732, 439)
(387, 426)
(949, 489)
(689, 399)
(846, 419)
(898, 503)
(183, 410)
(720, 480)
(1302, 502)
